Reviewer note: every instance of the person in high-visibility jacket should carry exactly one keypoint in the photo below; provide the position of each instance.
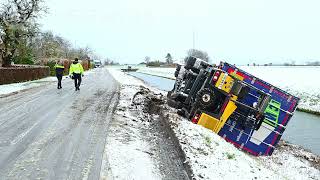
(59, 68)
(76, 71)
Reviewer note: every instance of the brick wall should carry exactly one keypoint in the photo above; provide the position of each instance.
(22, 73)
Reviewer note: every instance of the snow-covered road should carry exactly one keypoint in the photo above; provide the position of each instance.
(57, 134)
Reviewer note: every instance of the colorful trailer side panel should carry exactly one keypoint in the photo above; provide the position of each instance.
(277, 115)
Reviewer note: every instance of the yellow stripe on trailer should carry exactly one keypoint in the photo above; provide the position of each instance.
(208, 121)
(230, 108)
(215, 124)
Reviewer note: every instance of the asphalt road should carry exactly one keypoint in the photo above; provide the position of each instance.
(46, 133)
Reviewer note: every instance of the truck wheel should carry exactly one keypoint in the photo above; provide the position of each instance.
(176, 73)
(190, 62)
(205, 98)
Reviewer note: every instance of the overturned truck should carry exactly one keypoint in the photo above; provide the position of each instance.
(243, 109)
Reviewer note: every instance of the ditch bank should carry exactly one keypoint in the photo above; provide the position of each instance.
(152, 104)
(145, 149)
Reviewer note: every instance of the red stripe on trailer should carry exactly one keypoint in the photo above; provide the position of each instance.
(245, 148)
(290, 110)
(283, 122)
(262, 84)
(231, 70)
(280, 93)
(248, 77)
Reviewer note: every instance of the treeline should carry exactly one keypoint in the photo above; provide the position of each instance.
(22, 42)
(45, 46)
(312, 63)
(169, 59)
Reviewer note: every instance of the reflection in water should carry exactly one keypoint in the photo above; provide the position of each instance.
(303, 128)
(158, 82)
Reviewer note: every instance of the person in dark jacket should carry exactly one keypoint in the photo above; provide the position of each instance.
(59, 72)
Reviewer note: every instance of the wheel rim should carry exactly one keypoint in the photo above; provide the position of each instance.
(206, 98)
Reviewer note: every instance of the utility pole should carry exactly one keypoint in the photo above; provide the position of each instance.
(193, 38)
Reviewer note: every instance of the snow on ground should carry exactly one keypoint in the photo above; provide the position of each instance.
(293, 161)
(299, 81)
(15, 87)
(127, 150)
(211, 157)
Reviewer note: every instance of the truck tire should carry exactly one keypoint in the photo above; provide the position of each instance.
(176, 73)
(190, 62)
(205, 98)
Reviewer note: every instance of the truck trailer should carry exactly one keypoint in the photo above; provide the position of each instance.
(241, 108)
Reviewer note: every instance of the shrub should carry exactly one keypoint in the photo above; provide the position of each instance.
(51, 65)
(25, 57)
(230, 156)
(155, 63)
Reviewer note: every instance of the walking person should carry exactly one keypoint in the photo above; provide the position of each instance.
(76, 71)
(59, 68)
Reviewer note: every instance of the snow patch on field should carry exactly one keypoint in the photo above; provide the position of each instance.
(293, 162)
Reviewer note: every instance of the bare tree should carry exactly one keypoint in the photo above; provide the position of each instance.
(147, 59)
(17, 23)
(84, 53)
(198, 54)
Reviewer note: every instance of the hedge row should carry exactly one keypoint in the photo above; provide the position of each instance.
(16, 74)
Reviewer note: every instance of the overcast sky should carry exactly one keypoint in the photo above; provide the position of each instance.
(237, 31)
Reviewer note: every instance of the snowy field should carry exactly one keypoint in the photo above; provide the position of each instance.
(299, 81)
